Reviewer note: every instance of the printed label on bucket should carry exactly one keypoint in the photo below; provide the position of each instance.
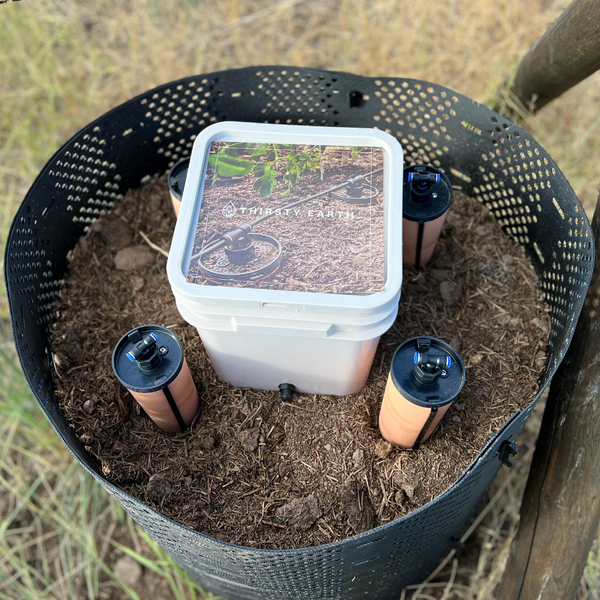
(305, 218)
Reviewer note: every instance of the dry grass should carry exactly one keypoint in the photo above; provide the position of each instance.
(65, 62)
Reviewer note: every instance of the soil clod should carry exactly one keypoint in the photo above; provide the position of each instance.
(450, 292)
(133, 258)
(358, 458)
(383, 448)
(405, 478)
(249, 439)
(117, 234)
(158, 488)
(440, 274)
(300, 513)
(358, 508)
(137, 283)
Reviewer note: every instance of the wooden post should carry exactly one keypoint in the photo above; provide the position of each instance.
(565, 55)
(561, 506)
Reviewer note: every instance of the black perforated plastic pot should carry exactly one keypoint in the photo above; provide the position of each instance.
(489, 157)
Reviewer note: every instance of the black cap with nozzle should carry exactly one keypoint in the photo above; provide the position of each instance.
(427, 193)
(427, 371)
(147, 358)
(177, 176)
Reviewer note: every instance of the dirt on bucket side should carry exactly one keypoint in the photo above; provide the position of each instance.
(257, 472)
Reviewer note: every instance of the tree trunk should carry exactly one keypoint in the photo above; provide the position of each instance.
(565, 55)
(561, 506)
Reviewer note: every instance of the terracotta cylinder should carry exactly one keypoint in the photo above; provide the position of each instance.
(418, 395)
(149, 362)
(427, 194)
(411, 240)
(176, 179)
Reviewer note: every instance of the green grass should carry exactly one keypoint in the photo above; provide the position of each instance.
(65, 62)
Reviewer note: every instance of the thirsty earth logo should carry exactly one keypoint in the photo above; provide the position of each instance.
(229, 210)
(293, 212)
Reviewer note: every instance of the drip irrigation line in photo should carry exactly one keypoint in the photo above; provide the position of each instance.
(238, 243)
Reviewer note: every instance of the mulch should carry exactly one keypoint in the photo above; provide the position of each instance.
(252, 470)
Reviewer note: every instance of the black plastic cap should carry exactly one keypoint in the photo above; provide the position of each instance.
(177, 177)
(132, 375)
(436, 391)
(426, 194)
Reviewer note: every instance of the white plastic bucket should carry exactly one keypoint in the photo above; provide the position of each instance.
(322, 342)
(315, 356)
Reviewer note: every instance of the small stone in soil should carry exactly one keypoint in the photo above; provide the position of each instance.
(504, 319)
(383, 448)
(540, 324)
(158, 488)
(60, 360)
(300, 513)
(127, 570)
(450, 292)
(540, 359)
(133, 258)
(89, 406)
(476, 359)
(249, 439)
(358, 457)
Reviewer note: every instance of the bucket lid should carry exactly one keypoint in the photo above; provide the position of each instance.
(306, 215)
(177, 176)
(427, 371)
(427, 193)
(147, 358)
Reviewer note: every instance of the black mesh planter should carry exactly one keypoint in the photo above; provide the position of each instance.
(492, 159)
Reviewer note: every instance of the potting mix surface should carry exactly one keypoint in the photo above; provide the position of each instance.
(252, 470)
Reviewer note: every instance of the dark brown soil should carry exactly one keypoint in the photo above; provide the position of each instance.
(254, 471)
